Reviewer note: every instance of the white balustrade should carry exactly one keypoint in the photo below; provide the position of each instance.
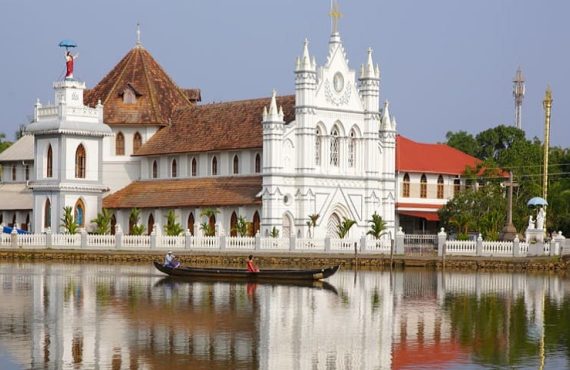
(205, 242)
(237, 242)
(66, 240)
(32, 240)
(461, 247)
(170, 242)
(308, 244)
(378, 245)
(497, 248)
(523, 248)
(345, 245)
(136, 241)
(275, 243)
(5, 240)
(101, 241)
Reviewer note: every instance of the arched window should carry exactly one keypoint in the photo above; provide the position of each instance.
(174, 169)
(113, 224)
(79, 213)
(423, 187)
(318, 139)
(334, 147)
(236, 165)
(14, 221)
(27, 172)
(80, 162)
(47, 214)
(352, 149)
(25, 225)
(406, 186)
(191, 223)
(14, 172)
(233, 224)
(49, 172)
(257, 163)
(214, 166)
(440, 187)
(194, 170)
(212, 223)
(137, 142)
(456, 186)
(154, 170)
(256, 223)
(150, 224)
(120, 144)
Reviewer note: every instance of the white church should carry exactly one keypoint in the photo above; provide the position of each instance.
(137, 140)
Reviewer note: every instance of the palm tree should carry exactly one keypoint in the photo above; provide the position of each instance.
(312, 223)
(134, 218)
(241, 227)
(209, 230)
(103, 222)
(377, 226)
(344, 227)
(68, 221)
(274, 232)
(172, 228)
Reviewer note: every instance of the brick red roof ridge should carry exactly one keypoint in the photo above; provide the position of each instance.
(159, 94)
(215, 127)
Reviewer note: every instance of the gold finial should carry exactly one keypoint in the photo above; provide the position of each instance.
(335, 15)
(548, 97)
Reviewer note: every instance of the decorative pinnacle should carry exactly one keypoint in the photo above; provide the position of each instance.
(368, 70)
(305, 63)
(139, 44)
(273, 114)
(548, 98)
(335, 15)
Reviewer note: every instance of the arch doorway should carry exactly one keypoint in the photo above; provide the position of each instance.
(333, 225)
(287, 226)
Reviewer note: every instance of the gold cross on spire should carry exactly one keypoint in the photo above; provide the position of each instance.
(335, 15)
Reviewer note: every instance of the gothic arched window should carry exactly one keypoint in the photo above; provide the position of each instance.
(13, 172)
(423, 187)
(334, 147)
(236, 164)
(256, 223)
(233, 224)
(352, 149)
(154, 170)
(257, 163)
(49, 172)
(174, 169)
(191, 223)
(406, 186)
(47, 214)
(137, 142)
(440, 187)
(214, 166)
(194, 167)
(456, 186)
(80, 162)
(150, 224)
(318, 139)
(120, 144)
(79, 213)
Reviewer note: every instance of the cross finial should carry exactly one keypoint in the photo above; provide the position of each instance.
(138, 34)
(335, 15)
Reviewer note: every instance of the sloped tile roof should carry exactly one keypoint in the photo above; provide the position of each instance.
(197, 192)
(412, 156)
(213, 127)
(157, 95)
(15, 196)
(21, 150)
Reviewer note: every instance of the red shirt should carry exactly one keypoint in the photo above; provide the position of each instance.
(251, 267)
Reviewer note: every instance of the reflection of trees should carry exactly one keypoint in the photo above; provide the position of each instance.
(557, 326)
(494, 327)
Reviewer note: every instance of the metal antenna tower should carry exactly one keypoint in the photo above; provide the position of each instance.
(518, 93)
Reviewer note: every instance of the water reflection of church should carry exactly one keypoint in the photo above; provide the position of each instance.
(122, 317)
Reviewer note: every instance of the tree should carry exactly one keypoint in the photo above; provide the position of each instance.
(242, 226)
(172, 228)
(103, 222)
(463, 141)
(4, 144)
(134, 218)
(344, 227)
(312, 223)
(377, 226)
(492, 142)
(207, 229)
(68, 221)
(274, 232)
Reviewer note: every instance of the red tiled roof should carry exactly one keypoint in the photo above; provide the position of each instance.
(197, 192)
(429, 216)
(213, 127)
(412, 156)
(157, 95)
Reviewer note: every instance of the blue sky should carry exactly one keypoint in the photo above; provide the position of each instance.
(445, 64)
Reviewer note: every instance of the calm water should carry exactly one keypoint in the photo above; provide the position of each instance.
(86, 316)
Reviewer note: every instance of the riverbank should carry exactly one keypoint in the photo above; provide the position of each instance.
(295, 259)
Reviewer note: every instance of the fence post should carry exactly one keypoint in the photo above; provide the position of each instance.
(400, 236)
(83, 233)
(327, 244)
(14, 236)
(479, 246)
(223, 241)
(292, 243)
(516, 246)
(187, 239)
(559, 243)
(153, 237)
(257, 241)
(49, 238)
(118, 236)
(363, 243)
(441, 239)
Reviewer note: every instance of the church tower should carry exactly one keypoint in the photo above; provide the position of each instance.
(68, 158)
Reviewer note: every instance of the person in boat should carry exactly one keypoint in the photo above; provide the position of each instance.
(250, 265)
(170, 260)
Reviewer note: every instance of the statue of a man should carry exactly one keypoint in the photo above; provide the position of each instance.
(540, 218)
(530, 223)
(69, 61)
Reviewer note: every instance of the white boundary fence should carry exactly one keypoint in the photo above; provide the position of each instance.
(385, 245)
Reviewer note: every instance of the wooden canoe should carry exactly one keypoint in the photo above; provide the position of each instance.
(229, 273)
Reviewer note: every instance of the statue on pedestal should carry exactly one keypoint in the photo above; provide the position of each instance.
(540, 218)
(69, 61)
(530, 223)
